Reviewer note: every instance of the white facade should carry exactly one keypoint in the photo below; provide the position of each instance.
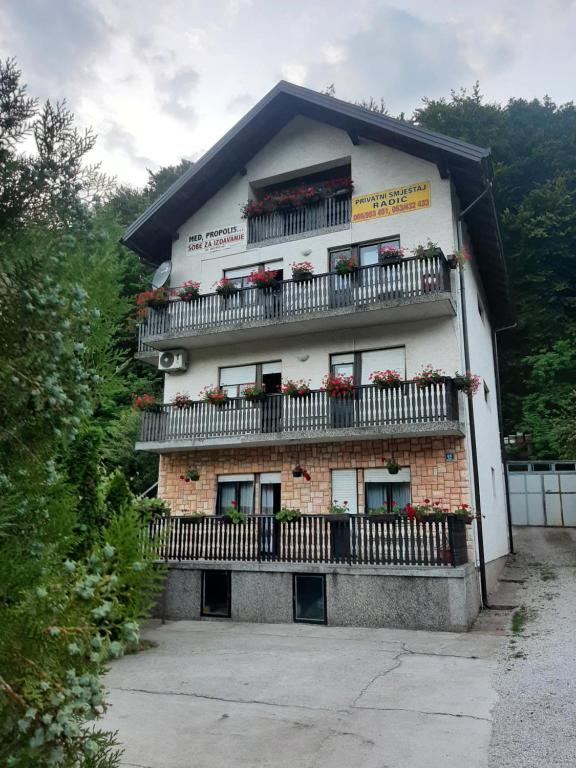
(302, 147)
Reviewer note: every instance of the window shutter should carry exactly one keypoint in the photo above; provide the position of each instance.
(345, 488)
(383, 476)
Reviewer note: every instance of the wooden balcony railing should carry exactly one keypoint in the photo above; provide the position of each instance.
(344, 539)
(369, 407)
(331, 212)
(406, 279)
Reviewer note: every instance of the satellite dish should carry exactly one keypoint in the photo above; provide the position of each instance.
(162, 274)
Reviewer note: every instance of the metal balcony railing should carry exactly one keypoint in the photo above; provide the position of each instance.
(341, 539)
(404, 280)
(278, 225)
(366, 408)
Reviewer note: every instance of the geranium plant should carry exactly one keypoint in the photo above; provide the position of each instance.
(190, 475)
(189, 291)
(387, 379)
(302, 270)
(287, 515)
(263, 278)
(293, 197)
(338, 385)
(181, 400)
(298, 388)
(225, 287)
(465, 511)
(145, 402)
(459, 258)
(426, 251)
(392, 466)
(389, 252)
(157, 298)
(339, 509)
(468, 382)
(254, 392)
(214, 395)
(390, 508)
(233, 514)
(429, 376)
(300, 471)
(346, 265)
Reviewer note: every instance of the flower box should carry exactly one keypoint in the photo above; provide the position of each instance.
(296, 389)
(338, 385)
(190, 291)
(226, 288)
(214, 395)
(254, 394)
(389, 254)
(386, 379)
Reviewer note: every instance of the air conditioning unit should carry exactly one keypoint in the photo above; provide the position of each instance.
(173, 361)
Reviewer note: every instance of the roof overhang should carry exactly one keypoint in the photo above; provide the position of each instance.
(469, 167)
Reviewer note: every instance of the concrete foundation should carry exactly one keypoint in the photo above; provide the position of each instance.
(434, 598)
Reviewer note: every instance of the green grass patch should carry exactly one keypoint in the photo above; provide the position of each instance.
(519, 619)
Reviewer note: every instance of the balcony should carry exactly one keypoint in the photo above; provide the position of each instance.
(370, 413)
(312, 219)
(341, 539)
(403, 291)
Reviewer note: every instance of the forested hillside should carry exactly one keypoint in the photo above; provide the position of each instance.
(534, 154)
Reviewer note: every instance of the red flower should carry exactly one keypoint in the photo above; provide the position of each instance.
(306, 476)
(233, 503)
(410, 511)
(426, 501)
(182, 477)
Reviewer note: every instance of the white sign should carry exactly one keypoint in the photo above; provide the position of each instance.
(217, 239)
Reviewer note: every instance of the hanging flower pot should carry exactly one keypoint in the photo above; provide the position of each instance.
(302, 271)
(297, 471)
(392, 466)
(468, 382)
(190, 475)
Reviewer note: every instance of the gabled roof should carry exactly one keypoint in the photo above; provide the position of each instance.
(469, 166)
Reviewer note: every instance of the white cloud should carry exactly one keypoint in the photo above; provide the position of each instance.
(333, 54)
(295, 73)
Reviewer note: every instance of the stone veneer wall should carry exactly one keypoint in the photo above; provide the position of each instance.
(431, 475)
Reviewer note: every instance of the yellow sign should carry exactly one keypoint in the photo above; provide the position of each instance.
(412, 197)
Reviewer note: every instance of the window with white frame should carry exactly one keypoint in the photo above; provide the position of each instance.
(239, 275)
(384, 492)
(365, 255)
(362, 364)
(235, 378)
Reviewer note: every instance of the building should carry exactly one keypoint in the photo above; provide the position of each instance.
(330, 182)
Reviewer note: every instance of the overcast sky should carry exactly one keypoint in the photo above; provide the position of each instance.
(163, 79)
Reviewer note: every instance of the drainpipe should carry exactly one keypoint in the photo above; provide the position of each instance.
(471, 422)
(501, 425)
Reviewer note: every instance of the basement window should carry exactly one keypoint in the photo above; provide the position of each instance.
(216, 594)
(309, 598)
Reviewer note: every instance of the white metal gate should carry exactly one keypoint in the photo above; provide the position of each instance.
(542, 492)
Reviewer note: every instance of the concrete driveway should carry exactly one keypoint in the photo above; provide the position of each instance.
(215, 695)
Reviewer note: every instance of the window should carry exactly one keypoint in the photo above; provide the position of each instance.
(309, 597)
(238, 489)
(518, 468)
(541, 467)
(235, 379)
(216, 594)
(565, 467)
(382, 490)
(345, 488)
(362, 364)
(365, 255)
(239, 275)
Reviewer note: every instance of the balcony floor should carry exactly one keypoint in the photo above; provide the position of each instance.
(390, 431)
(403, 310)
